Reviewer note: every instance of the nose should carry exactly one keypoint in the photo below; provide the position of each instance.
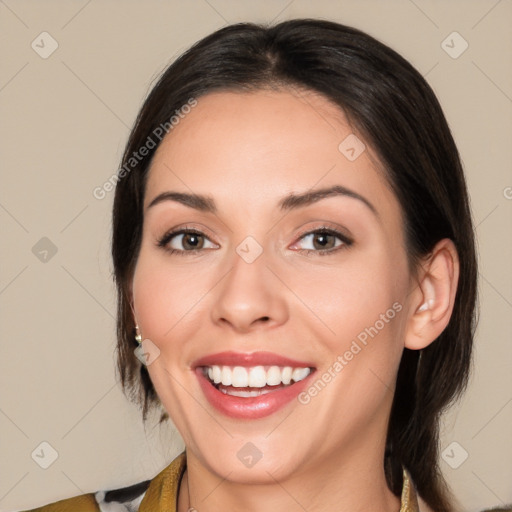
(249, 297)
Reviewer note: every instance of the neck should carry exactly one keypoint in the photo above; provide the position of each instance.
(358, 484)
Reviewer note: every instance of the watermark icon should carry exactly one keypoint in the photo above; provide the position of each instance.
(351, 147)
(249, 249)
(147, 352)
(249, 455)
(356, 347)
(44, 250)
(44, 45)
(454, 455)
(151, 142)
(454, 45)
(44, 455)
(507, 192)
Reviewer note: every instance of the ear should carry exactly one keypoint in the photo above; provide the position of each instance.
(432, 301)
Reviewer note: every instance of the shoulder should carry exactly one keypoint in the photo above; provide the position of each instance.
(124, 499)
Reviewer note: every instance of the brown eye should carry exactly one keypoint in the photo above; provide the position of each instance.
(192, 241)
(323, 241)
(185, 241)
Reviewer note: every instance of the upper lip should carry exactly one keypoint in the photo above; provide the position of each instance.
(230, 358)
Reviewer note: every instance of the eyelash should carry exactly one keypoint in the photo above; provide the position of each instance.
(324, 230)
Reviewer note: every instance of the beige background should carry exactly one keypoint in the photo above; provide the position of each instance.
(64, 122)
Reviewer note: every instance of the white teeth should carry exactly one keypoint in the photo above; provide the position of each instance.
(226, 376)
(217, 376)
(274, 376)
(255, 376)
(300, 373)
(286, 375)
(240, 377)
(245, 394)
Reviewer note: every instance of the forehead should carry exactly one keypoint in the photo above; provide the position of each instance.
(265, 144)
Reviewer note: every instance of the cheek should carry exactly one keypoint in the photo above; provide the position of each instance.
(350, 296)
(359, 312)
(164, 296)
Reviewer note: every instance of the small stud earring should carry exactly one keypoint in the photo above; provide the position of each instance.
(138, 337)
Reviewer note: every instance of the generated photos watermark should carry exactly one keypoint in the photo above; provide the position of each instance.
(342, 360)
(151, 142)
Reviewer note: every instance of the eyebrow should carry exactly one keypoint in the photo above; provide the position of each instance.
(289, 202)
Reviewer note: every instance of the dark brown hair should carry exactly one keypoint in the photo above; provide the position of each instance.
(397, 113)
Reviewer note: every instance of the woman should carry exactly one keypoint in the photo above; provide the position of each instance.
(295, 264)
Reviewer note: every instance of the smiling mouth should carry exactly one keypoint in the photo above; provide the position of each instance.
(253, 381)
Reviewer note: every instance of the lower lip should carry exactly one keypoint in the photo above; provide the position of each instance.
(250, 408)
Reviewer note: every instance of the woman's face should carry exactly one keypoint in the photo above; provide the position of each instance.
(321, 280)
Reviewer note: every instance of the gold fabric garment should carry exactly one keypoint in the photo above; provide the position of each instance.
(162, 494)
